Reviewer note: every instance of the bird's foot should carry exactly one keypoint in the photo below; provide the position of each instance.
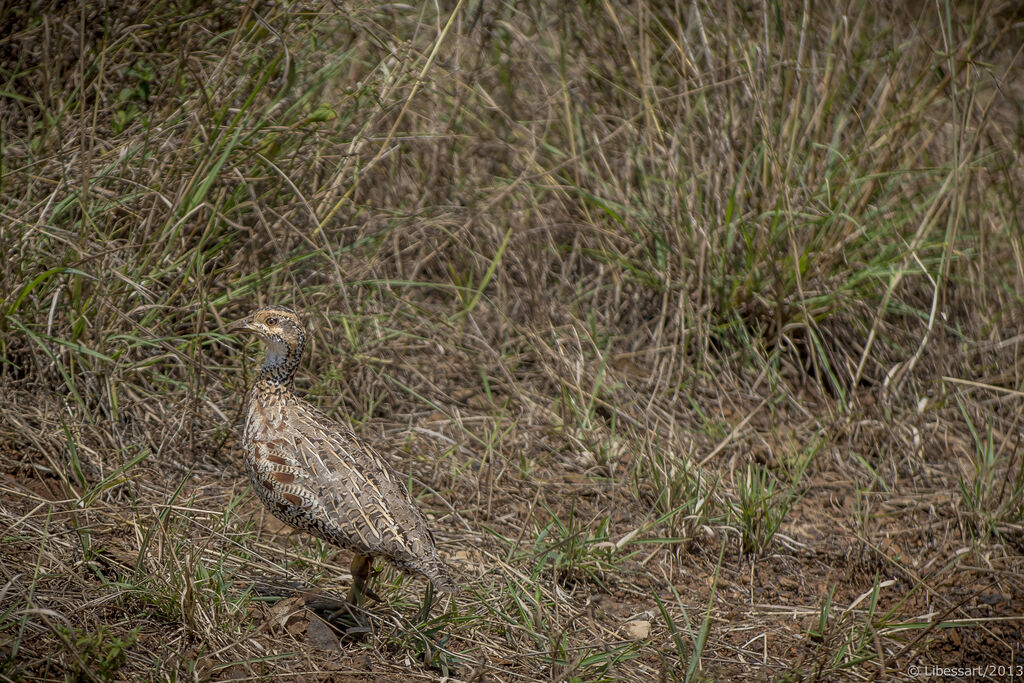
(350, 619)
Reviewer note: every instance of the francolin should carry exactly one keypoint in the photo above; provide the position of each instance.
(318, 476)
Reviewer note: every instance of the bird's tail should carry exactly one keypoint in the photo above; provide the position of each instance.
(441, 576)
(434, 568)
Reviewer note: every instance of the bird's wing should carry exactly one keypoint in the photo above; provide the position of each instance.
(357, 491)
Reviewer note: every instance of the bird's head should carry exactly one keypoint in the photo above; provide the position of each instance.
(284, 336)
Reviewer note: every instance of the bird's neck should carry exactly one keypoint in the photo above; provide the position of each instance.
(279, 366)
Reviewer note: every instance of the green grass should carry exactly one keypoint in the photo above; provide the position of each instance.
(703, 318)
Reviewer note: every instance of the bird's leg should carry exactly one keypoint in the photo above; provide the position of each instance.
(360, 568)
(361, 565)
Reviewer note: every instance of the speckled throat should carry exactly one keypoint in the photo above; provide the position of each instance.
(282, 359)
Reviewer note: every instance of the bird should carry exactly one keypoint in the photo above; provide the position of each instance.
(316, 475)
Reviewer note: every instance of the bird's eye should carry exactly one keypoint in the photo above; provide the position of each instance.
(271, 321)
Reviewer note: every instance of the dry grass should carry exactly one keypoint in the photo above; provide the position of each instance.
(698, 331)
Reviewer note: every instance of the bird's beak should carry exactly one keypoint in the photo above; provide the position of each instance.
(243, 325)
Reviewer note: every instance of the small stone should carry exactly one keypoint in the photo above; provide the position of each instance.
(636, 630)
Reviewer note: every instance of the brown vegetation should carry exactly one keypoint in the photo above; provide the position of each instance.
(698, 333)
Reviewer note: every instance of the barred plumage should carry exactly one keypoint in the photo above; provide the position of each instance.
(318, 476)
